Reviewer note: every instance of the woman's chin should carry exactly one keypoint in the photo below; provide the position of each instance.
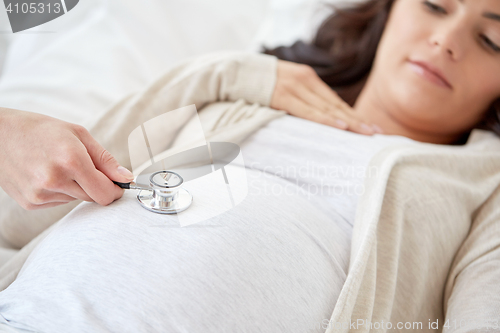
(413, 92)
(417, 103)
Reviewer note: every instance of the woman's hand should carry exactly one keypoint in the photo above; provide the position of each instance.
(300, 92)
(46, 162)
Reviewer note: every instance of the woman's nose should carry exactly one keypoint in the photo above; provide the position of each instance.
(449, 38)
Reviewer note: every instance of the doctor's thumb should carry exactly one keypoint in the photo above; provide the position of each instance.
(108, 165)
(111, 168)
(102, 159)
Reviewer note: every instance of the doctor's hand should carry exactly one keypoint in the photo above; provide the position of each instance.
(300, 92)
(46, 162)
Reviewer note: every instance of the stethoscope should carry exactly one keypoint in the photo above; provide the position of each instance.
(164, 194)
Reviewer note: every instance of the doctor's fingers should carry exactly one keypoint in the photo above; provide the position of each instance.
(44, 197)
(26, 204)
(43, 206)
(74, 190)
(97, 185)
(68, 192)
(56, 189)
(102, 159)
(94, 183)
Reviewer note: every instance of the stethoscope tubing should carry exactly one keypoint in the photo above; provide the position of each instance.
(131, 186)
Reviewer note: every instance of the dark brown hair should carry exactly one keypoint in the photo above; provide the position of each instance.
(344, 48)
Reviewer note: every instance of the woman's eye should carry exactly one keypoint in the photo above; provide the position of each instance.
(490, 44)
(434, 8)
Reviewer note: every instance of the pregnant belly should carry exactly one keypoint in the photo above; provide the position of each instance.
(272, 263)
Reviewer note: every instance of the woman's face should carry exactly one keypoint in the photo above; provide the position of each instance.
(460, 39)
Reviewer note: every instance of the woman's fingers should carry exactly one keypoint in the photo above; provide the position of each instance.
(329, 95)
(354, 124)
(338, 112)
(301, 109)
(309, 106)
(302, 93)
(337, 105)
(311, 98)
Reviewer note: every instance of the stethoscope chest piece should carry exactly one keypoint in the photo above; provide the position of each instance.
(166, 195)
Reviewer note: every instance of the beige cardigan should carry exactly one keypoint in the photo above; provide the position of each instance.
(427, 230)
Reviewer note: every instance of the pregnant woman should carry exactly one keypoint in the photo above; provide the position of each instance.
(412, 72)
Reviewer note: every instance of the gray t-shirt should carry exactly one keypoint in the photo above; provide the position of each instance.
(274, 263)
(330, 164)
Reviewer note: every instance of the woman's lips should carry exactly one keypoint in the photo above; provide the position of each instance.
(430, 73)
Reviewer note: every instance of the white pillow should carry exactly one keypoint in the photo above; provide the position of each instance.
(290, 20)
(81, 63)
